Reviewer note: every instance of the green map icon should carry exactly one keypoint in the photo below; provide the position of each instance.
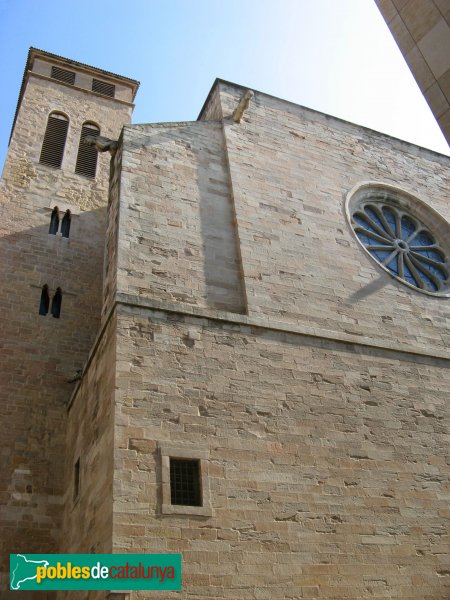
(23, 569)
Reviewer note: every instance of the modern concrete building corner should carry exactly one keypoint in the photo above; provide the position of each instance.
(262, 294)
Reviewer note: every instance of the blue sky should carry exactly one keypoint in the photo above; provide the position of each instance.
(336, 56)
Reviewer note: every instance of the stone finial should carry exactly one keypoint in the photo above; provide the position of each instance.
(242, 106)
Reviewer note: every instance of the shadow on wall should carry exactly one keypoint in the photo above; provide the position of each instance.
(369, 289)
(222, 265)
(200, 264)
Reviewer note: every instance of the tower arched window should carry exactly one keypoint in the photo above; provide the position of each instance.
(54, 140)
(65, 225)
(56, 303)
(54, 221)
(87, 155)
(45, 301)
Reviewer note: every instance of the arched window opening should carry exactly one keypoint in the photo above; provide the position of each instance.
(45, 301)
(56, 303)
(54, 140)
(65, 225)
(87, 155)
(54, 221)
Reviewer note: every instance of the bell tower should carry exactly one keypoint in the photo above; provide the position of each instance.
(53, 197)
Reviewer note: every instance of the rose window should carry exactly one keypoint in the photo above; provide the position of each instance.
(401, 242)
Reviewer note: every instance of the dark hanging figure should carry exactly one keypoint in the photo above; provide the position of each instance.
(45, 301)
(54, 221)
(65, 225)
(56, 303)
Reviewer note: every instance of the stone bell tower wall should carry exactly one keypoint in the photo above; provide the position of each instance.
(41, 356)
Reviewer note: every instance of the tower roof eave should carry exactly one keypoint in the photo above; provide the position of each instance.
(36, 52)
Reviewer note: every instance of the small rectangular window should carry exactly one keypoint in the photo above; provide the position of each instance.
(185, 480)
(63, 75)
(101, 87)
(76, 480)
(185, 486)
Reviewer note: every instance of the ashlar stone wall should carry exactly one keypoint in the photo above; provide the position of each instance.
(253, 332)
(90, 430)
(22, 167)
(177, 237)
(318, 403)
(40, 356)
(291, 169)
(327, 469)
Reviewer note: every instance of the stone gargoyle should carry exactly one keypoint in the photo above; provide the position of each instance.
(102, 144)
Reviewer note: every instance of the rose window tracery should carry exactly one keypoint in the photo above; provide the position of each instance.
(400, 241)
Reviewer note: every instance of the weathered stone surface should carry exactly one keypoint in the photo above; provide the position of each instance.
(316, 393)
(177, 238)
(87, 519)
(40, 355)
(328, 463)
(242, 325)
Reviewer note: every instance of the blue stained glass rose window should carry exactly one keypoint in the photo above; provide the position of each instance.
(402, 244)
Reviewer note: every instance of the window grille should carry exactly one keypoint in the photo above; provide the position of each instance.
(54, 221)
(65, 225)
(101, 87)
(56, 303)
(87, 155)
(63, 75)
(45, 301)
(185, 485)
(54, 140)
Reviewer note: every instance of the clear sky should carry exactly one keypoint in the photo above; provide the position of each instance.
(336, 56)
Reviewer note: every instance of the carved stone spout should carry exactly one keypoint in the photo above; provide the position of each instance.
(102, 144)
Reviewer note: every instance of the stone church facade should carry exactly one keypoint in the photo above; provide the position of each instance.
(258, 308)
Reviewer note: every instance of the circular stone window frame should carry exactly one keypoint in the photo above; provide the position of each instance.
(402, 200)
